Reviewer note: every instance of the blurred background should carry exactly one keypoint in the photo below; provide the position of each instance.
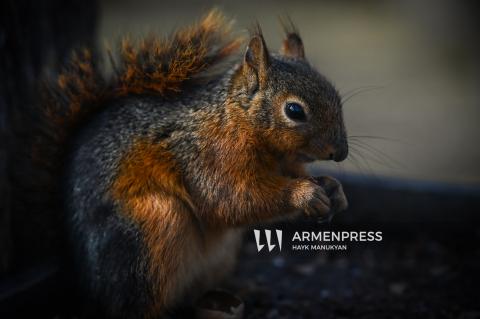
(408, 70)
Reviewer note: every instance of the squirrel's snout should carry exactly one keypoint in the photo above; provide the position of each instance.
(340, 153)
(333, 152)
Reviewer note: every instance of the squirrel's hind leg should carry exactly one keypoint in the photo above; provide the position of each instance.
(109, 263)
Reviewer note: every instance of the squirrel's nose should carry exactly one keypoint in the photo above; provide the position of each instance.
(341, 152)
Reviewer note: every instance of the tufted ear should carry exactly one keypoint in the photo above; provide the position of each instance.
(292, 46)
(255, 62)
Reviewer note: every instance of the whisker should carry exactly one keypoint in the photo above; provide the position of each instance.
(365, 162)
(380, 153)
(377, 151)
(375, 137)
(356, 163)
(370, 155)
(370, 174)
(359, 91)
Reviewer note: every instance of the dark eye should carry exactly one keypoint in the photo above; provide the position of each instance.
(295, 111)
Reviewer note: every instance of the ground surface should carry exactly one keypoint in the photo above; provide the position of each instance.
(411, 274)
(426, 266)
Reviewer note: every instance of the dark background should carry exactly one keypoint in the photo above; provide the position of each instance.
(414, 173)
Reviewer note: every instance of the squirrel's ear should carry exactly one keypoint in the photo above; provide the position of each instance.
(292, 46)
(256, 62)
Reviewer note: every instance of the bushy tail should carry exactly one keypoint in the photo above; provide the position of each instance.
(162, 66)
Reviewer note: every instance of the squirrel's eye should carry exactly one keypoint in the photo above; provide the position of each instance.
(295, 111)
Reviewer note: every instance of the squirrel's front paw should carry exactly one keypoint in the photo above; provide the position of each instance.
(320, 196)
(334, 191)
(311, 198)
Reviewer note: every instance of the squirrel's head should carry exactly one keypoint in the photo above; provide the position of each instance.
(294, 108)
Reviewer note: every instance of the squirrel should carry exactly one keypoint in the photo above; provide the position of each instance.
(162, 163)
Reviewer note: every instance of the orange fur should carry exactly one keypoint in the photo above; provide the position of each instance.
(148, 168)
(191, 51)
(257, 181)
(150, 190)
